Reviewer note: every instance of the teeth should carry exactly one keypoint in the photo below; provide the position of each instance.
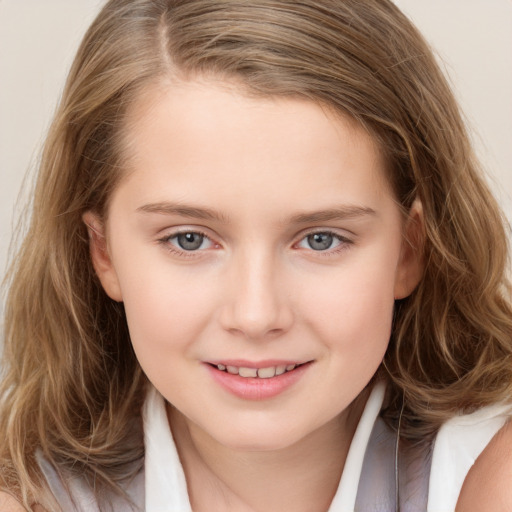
(247, 372)
(262, 373)
(266, 373)
(280, 369)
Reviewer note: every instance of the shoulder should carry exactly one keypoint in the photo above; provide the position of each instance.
(9, 504)
(487, 485)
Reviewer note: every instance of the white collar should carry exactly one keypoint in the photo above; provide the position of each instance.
(166, 487)
(165, 484)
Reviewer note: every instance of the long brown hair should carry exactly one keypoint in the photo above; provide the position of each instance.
(72, 386)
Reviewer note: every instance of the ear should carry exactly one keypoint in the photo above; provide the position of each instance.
(411, 264)
(100, 256)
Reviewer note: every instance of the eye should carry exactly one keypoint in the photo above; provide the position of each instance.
(189, 241)
(322, 241)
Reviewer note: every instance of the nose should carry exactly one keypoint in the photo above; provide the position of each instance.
(258, 305)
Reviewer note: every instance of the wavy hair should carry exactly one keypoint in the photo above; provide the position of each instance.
(72, 387)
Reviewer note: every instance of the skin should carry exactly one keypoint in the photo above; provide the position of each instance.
(487, 485)
(256, 177)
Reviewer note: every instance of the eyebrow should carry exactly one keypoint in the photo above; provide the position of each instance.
(197, 212)
(341, 213)
(194, 212)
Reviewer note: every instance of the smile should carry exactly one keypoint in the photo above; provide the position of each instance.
(257, 381)
(261, 373)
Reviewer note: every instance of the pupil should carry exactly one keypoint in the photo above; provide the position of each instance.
(190, 241)
(320, 241)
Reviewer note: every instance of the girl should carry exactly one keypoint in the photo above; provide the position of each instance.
(259, 226)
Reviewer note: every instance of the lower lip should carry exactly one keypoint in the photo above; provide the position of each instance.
(250, 388)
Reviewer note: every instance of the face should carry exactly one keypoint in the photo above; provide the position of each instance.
(258, 251)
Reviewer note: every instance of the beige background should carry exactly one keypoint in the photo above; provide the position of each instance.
(38, 38)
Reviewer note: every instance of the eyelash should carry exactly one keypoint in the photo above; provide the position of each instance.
(344, 243)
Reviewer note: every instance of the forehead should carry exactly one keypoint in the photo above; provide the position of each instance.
(213, 136)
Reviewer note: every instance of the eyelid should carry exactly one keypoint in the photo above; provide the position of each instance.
(338, 233)
(171, 231)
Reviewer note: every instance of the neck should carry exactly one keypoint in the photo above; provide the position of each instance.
(301, 477)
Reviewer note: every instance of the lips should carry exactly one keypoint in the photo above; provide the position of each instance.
(257, 381)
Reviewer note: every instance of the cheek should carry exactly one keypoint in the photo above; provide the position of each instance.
(354, 313)
(166, 309)
(164, 325)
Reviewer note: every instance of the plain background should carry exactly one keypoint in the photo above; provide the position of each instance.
(473, 39)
